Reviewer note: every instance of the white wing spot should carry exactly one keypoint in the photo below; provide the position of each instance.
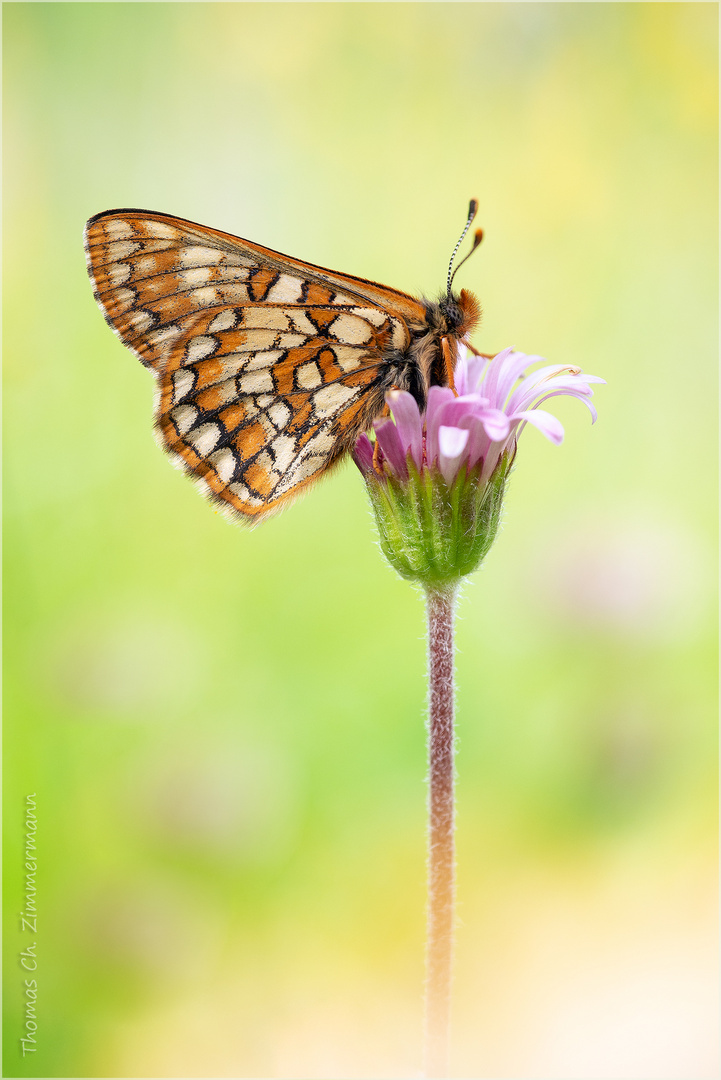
(244, 495)
(331, 399)
(351, 329)
(160, 338)
(315, 458)
(184, 417)
(125, 298)
(372, 315)
(321, 443)
(258, 341)
(224, 462)
(205, 438)
(226, 391)
(400, 335)
(259, 318)
(224, 321)
(267, 426)
(200, 256)
(147, 266)
(206, 297)
(141, 320)
(120, 249)
(347, 356)
(117, 229)
(257, 382)
(302, 323)
(292, 341)
(160, 230)
(232, 292)
(183, 383)
(200, 347)
(308, 375)
(199, 275)
(119, 273)
(286, 290)
(264, 359)
(280, 414)
(283, 448)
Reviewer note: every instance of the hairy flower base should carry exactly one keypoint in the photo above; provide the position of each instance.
(434, 532)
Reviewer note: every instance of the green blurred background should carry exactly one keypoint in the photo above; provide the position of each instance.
(224, 728)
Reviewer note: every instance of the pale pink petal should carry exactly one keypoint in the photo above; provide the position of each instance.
(550, 378)
(438, 396)
(496, 423)
(478, 441)
(363, 453)
(494, 372)
(389, 441)
(452, 442)
(408, 421)
(549, 425)
(451, 412)
(469, 371)
(579, 397)
(492, 457)
(505, 372)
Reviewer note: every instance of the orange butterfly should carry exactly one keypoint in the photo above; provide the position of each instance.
(268, 368)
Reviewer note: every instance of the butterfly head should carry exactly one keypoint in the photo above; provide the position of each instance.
(455, 315)
(458, 315)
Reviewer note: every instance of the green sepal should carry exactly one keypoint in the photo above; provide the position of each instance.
(433, 532)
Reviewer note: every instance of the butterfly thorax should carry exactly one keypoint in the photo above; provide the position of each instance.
(422, 364)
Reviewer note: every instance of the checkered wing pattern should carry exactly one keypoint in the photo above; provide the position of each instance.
(268, 368)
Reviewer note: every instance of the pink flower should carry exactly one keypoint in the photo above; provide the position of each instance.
(476, 426)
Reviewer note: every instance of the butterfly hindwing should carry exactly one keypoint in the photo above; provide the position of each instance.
(257, 410)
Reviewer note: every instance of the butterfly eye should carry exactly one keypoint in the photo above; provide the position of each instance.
(453, 314)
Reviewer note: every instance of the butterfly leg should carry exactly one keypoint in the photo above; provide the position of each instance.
(448, 362)
(484, 355)
(376, 458)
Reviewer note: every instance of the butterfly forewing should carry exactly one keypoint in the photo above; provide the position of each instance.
(268, 367)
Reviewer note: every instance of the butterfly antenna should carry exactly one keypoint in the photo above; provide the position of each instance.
(472, 211)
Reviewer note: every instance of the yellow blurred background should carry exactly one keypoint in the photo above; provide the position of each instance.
(224, 728)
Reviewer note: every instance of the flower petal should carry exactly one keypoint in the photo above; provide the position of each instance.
(494, 371)
(579, 397)
(546, 423)
(438, 396)
(552, 377)
(478, 441)
(469, 371)
(389, 441)
(452, 442)
(496, 423)
(408, 421)
(505, 369)
(363, 453)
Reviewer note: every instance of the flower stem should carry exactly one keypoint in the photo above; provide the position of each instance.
(441, 860)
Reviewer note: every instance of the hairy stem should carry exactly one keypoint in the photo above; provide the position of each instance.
(441, 858)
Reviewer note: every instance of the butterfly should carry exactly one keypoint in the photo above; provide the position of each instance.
(267, 368)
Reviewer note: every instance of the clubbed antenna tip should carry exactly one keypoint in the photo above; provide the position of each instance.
(472, 211)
